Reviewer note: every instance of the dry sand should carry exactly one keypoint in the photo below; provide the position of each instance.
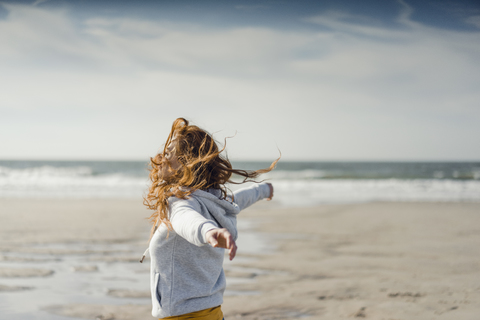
(376, 260)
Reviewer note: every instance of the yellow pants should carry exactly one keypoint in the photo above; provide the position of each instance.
(207, 314)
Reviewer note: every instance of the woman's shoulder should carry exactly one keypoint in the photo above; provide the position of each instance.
(197, 196)
(173, 200)
(178, 205)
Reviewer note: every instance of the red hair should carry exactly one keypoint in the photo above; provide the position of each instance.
(202, 166)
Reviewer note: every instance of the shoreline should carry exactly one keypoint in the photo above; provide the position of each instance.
(377, 260)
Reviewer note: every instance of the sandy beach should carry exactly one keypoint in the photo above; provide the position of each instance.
(372, 260)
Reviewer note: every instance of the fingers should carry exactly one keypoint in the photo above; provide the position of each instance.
(233, 251)
(212, 238)
(230, 244)
(213, 242)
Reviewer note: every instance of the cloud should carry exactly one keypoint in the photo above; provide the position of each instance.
(405, 14)
(251, 7)
(355, 85)
(474, 20)
(37, 2)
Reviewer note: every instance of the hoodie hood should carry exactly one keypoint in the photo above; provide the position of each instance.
(224, 211)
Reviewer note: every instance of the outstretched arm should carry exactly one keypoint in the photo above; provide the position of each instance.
(221, 237)
(189, 223)
(247, 196)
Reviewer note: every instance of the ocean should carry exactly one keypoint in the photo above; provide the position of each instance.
(296, 183)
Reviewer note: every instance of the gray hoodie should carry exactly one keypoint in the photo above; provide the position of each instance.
(186, 274)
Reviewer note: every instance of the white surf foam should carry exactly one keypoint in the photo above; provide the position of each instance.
(67, 182)
(292, 188)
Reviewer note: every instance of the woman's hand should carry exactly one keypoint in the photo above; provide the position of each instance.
(271, 191)
(221, 238)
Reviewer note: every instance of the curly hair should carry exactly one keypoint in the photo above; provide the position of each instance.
(201, 167)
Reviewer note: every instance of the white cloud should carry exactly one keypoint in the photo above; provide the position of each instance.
(356, 91)
(37, 2)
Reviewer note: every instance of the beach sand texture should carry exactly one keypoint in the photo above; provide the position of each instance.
(373, 260)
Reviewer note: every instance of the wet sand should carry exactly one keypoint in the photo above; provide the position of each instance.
(373, 260)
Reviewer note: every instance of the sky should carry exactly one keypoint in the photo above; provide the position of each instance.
(318, 80)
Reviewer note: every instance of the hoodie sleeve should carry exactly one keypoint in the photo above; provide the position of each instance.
(247, 196)
(188, 222)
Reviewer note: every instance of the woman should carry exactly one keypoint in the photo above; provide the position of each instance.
(194, 220)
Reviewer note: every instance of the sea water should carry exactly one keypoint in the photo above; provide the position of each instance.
(296, 183)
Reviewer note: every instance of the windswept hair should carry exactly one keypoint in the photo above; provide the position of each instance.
(202, 166)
